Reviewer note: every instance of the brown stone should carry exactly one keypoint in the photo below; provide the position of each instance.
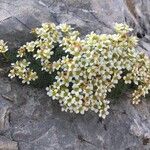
(7, 144)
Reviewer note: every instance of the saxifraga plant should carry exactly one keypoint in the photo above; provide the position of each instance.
(87, 69)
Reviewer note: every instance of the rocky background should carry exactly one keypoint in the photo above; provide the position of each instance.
(29, 120)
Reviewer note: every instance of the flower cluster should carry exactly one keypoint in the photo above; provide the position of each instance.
(3, 47)
(22, 71)
(90, 68)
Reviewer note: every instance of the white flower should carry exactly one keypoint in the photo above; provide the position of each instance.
(3, 47)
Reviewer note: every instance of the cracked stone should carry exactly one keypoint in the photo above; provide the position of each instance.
(14, 32)
(5, 86)
(4, 114)
(4, 124)
(5, 105)
(140, 129)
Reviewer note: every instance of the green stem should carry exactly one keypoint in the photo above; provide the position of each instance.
(5, 57)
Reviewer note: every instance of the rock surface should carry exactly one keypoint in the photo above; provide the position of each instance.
(7, 144)
(33, 120)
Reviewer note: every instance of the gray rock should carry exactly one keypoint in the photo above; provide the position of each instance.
(39, 124)
(7, 144)
(4, 117)
(4, 114)
(13, 31)
(35, 121)
(140, 129)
